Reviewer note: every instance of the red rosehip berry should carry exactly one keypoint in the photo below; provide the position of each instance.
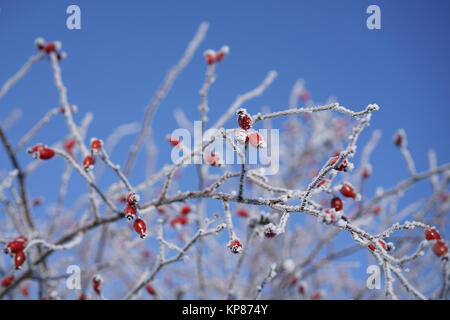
(7, 280)
(50, 47)
(19, 259)
(302, 289)
(222, 53)
(178, 221)
(210, 56)
(256, 140)
(69, 144)
(400, 138)
(150, 289)
(18, 244)
(185, 209)
(140, 228)
(440, 249)
(40, 43)
(432, 234)
(97, 284)
(212, 159)
(36, 202)
(242, 212)
(270, 230)
(174, 142)
(244, 119)
(96, 145)
(372, 246)
(348, 191)
(133, 198)
(343, 166)
(130, 212)
(235, 246)
(377, 209)
(366, 173)
(88, 163)
(304, 95)
(337, 204)
(41, 151)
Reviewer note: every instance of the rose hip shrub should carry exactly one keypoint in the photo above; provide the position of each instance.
(297, 234)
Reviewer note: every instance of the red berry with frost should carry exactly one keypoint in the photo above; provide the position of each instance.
(432, 234)
(235, 246)
(242, 212)
(337, 204)
(133, 198)
(130, 212)
(178, 221)
(140, 228)
(69, 144)
(212, 159)
(40, 43)
(7, 280)
(161, 210)
(221, 53)
(88, 163)
(342, 166)
(150, 289)
(256, 140)
(348, 191)
(400, 138)
(96, 145)
(18, 244)
(210, 56)
(244, 119)
(270, 230)
(440, 249)
(97, 284)
(302, 288)
(19, 259)
(185, 209)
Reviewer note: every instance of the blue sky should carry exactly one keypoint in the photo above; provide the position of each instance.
(119, 57)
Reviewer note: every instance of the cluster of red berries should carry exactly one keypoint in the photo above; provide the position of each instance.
(16, 247)
(181, 219)
(342, 166)
(49, 47)
(212, 159)
(96, 147)
(212, 56)
(439, 248)
(243, 135)
(386, 246)
(130, 212)
(41, 151)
